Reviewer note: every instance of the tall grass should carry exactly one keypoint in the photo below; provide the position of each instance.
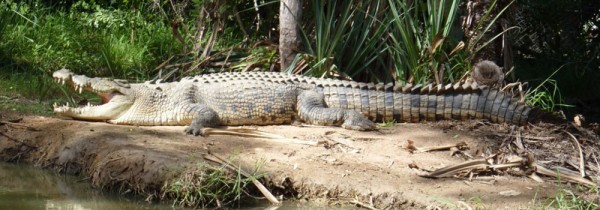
(419, 36)
(394, 40)
(385, 41)
(546, 95)
(346, 39)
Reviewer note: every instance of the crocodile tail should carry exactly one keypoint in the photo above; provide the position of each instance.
(409, 103)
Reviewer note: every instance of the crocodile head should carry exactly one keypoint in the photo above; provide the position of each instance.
(115, 97)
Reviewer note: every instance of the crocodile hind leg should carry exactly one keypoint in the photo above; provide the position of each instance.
(311, 108)
(204, 117)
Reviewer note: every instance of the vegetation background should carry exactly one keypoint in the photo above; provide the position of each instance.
(553, 46)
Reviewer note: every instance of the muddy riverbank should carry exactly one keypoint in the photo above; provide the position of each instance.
(345, 167)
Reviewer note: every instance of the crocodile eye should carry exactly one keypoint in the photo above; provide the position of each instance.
(122, 83)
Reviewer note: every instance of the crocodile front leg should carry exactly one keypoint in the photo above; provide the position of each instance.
(204, 117)
(311, 108)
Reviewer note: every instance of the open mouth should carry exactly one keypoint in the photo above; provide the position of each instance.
(112, 104)
(79, 83)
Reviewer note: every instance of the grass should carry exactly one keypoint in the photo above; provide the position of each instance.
(393, 41)
(419, 38)
(567, 199)
(388, 124)
(23, 105)
(208, 186)
(546, 95)
(365, 40)
(344, 39)
(17, 90)
(38, 39)
(562, 199)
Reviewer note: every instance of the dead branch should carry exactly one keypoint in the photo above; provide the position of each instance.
(453, 169)
(364, 205)
(581, 158)
(255, 134)
(561, 175)
(460, 146)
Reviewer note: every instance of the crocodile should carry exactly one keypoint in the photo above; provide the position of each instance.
(268, 98)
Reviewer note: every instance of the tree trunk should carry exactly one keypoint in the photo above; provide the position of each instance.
(290, 12)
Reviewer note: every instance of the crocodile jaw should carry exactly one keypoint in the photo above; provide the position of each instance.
(111, 110)
(114, 94)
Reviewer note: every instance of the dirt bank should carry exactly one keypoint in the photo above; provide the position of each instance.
(368, 167)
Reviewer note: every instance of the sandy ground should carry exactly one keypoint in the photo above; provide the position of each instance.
(345, 166)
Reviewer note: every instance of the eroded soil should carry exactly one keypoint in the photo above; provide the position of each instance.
(368, 167)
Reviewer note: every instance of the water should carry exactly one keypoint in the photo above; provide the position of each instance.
(27, 188)
(24, 187)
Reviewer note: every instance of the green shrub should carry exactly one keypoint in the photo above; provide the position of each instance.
(38, 39)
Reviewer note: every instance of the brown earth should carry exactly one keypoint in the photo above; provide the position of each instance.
(368, 167)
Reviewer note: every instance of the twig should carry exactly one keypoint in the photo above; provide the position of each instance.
(558, 174)
(18, 124)
(361, 204)
(341, 141)
(519, 141)
(597, 164)
(467, 165)
(162, 65)
(255, 134)
(257, 15)
(238, 19)
(581, 158)
(460, 146)
(527, 137)
(536, 178)
(8, 98)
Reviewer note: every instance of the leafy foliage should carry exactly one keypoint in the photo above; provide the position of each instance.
(366, 40)
(84, 38)
(418, 36)
(386, 41)
(347, 39)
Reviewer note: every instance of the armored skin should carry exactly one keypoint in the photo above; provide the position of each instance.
(267, 98)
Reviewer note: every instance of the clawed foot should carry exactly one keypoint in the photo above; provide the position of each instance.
(356, 121)
(195, 130)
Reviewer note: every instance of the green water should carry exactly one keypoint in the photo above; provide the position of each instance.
(23, 187)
